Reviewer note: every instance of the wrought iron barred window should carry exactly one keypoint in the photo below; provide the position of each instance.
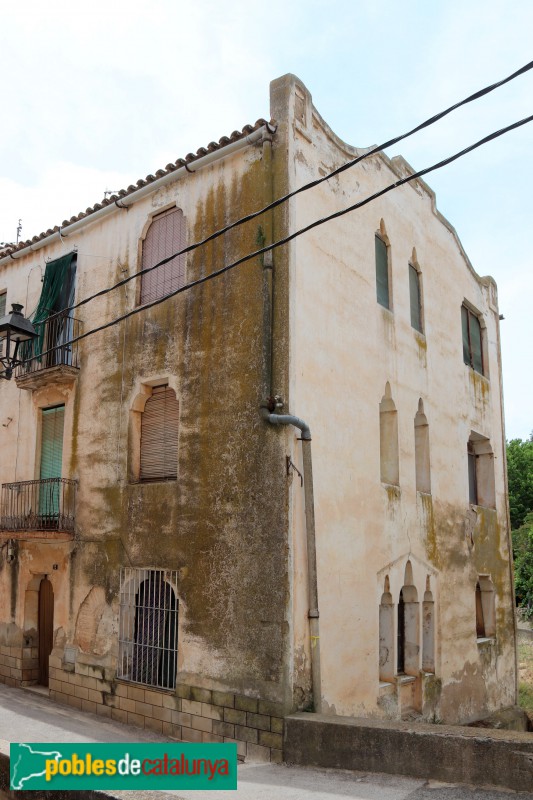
(148, 627)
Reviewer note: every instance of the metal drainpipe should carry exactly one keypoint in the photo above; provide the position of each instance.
(507, 508)
(312, 581)
(288, 419)
(268, 264)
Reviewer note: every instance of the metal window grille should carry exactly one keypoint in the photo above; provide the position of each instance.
(166, 235)
(148, 627)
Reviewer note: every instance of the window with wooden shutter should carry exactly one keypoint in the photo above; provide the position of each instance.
(472, 339)
(159, 436)
(166, 236)
(52, 424)
(382, 272)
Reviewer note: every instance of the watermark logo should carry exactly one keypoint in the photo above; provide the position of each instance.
(123, 766)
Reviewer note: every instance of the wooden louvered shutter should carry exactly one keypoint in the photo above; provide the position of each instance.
(166, 235)
(159, 435)
(52, 442)
(52, 424)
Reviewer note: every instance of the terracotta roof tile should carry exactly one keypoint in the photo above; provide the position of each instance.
(180, 162)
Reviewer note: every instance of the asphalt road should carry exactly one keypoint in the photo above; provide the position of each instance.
(29, 717)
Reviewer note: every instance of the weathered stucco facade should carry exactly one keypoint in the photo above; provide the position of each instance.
(227, 533)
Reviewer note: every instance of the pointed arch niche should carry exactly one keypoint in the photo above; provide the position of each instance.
(386, 634)
(422, 464)
(388, 439)
(428, 629)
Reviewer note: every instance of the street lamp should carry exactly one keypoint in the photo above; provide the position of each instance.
(14, 328)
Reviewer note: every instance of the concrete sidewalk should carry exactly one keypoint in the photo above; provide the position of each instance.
(30, 717)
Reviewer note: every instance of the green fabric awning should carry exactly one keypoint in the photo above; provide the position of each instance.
(57, 293)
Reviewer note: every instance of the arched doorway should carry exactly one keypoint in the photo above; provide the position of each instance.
(45, 628)
(155, 633)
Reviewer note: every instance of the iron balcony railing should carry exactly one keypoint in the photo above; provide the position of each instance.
(54, 335)
(45, 505)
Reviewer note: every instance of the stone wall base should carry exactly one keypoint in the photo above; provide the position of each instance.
(451, 754)
(188, 713)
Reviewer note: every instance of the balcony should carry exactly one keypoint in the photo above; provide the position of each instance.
(42, 509)
(61, 365)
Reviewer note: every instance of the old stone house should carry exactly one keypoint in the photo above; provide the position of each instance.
(161, 563)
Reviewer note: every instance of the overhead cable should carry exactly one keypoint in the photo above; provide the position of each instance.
(300, 232)
(348, 165)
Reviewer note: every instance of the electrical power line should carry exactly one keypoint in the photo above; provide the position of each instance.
(299, 232)
(431, 121)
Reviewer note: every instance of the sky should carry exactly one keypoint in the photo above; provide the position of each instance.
(96, 95)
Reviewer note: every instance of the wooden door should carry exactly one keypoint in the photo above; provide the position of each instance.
(46, 628)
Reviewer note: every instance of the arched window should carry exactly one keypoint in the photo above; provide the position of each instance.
(386, 635)
(383, 282)
(166, 235)
(485, 608)
(159, 436)
(422, 471)
(388, 439)
(408, 626)
(400, 648)
(415, 294)
(148, 628)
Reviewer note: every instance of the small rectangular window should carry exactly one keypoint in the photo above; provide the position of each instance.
(414, 294)
(382, 272)
(472, 341)
(472, 477)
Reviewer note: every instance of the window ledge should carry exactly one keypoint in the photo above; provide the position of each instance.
(150, 687)
(479, 374)
(403, 679)
(393, 490)
(151, 481)
(486, 640)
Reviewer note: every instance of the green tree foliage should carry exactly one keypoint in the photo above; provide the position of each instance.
(520, 474)
(523, 563)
